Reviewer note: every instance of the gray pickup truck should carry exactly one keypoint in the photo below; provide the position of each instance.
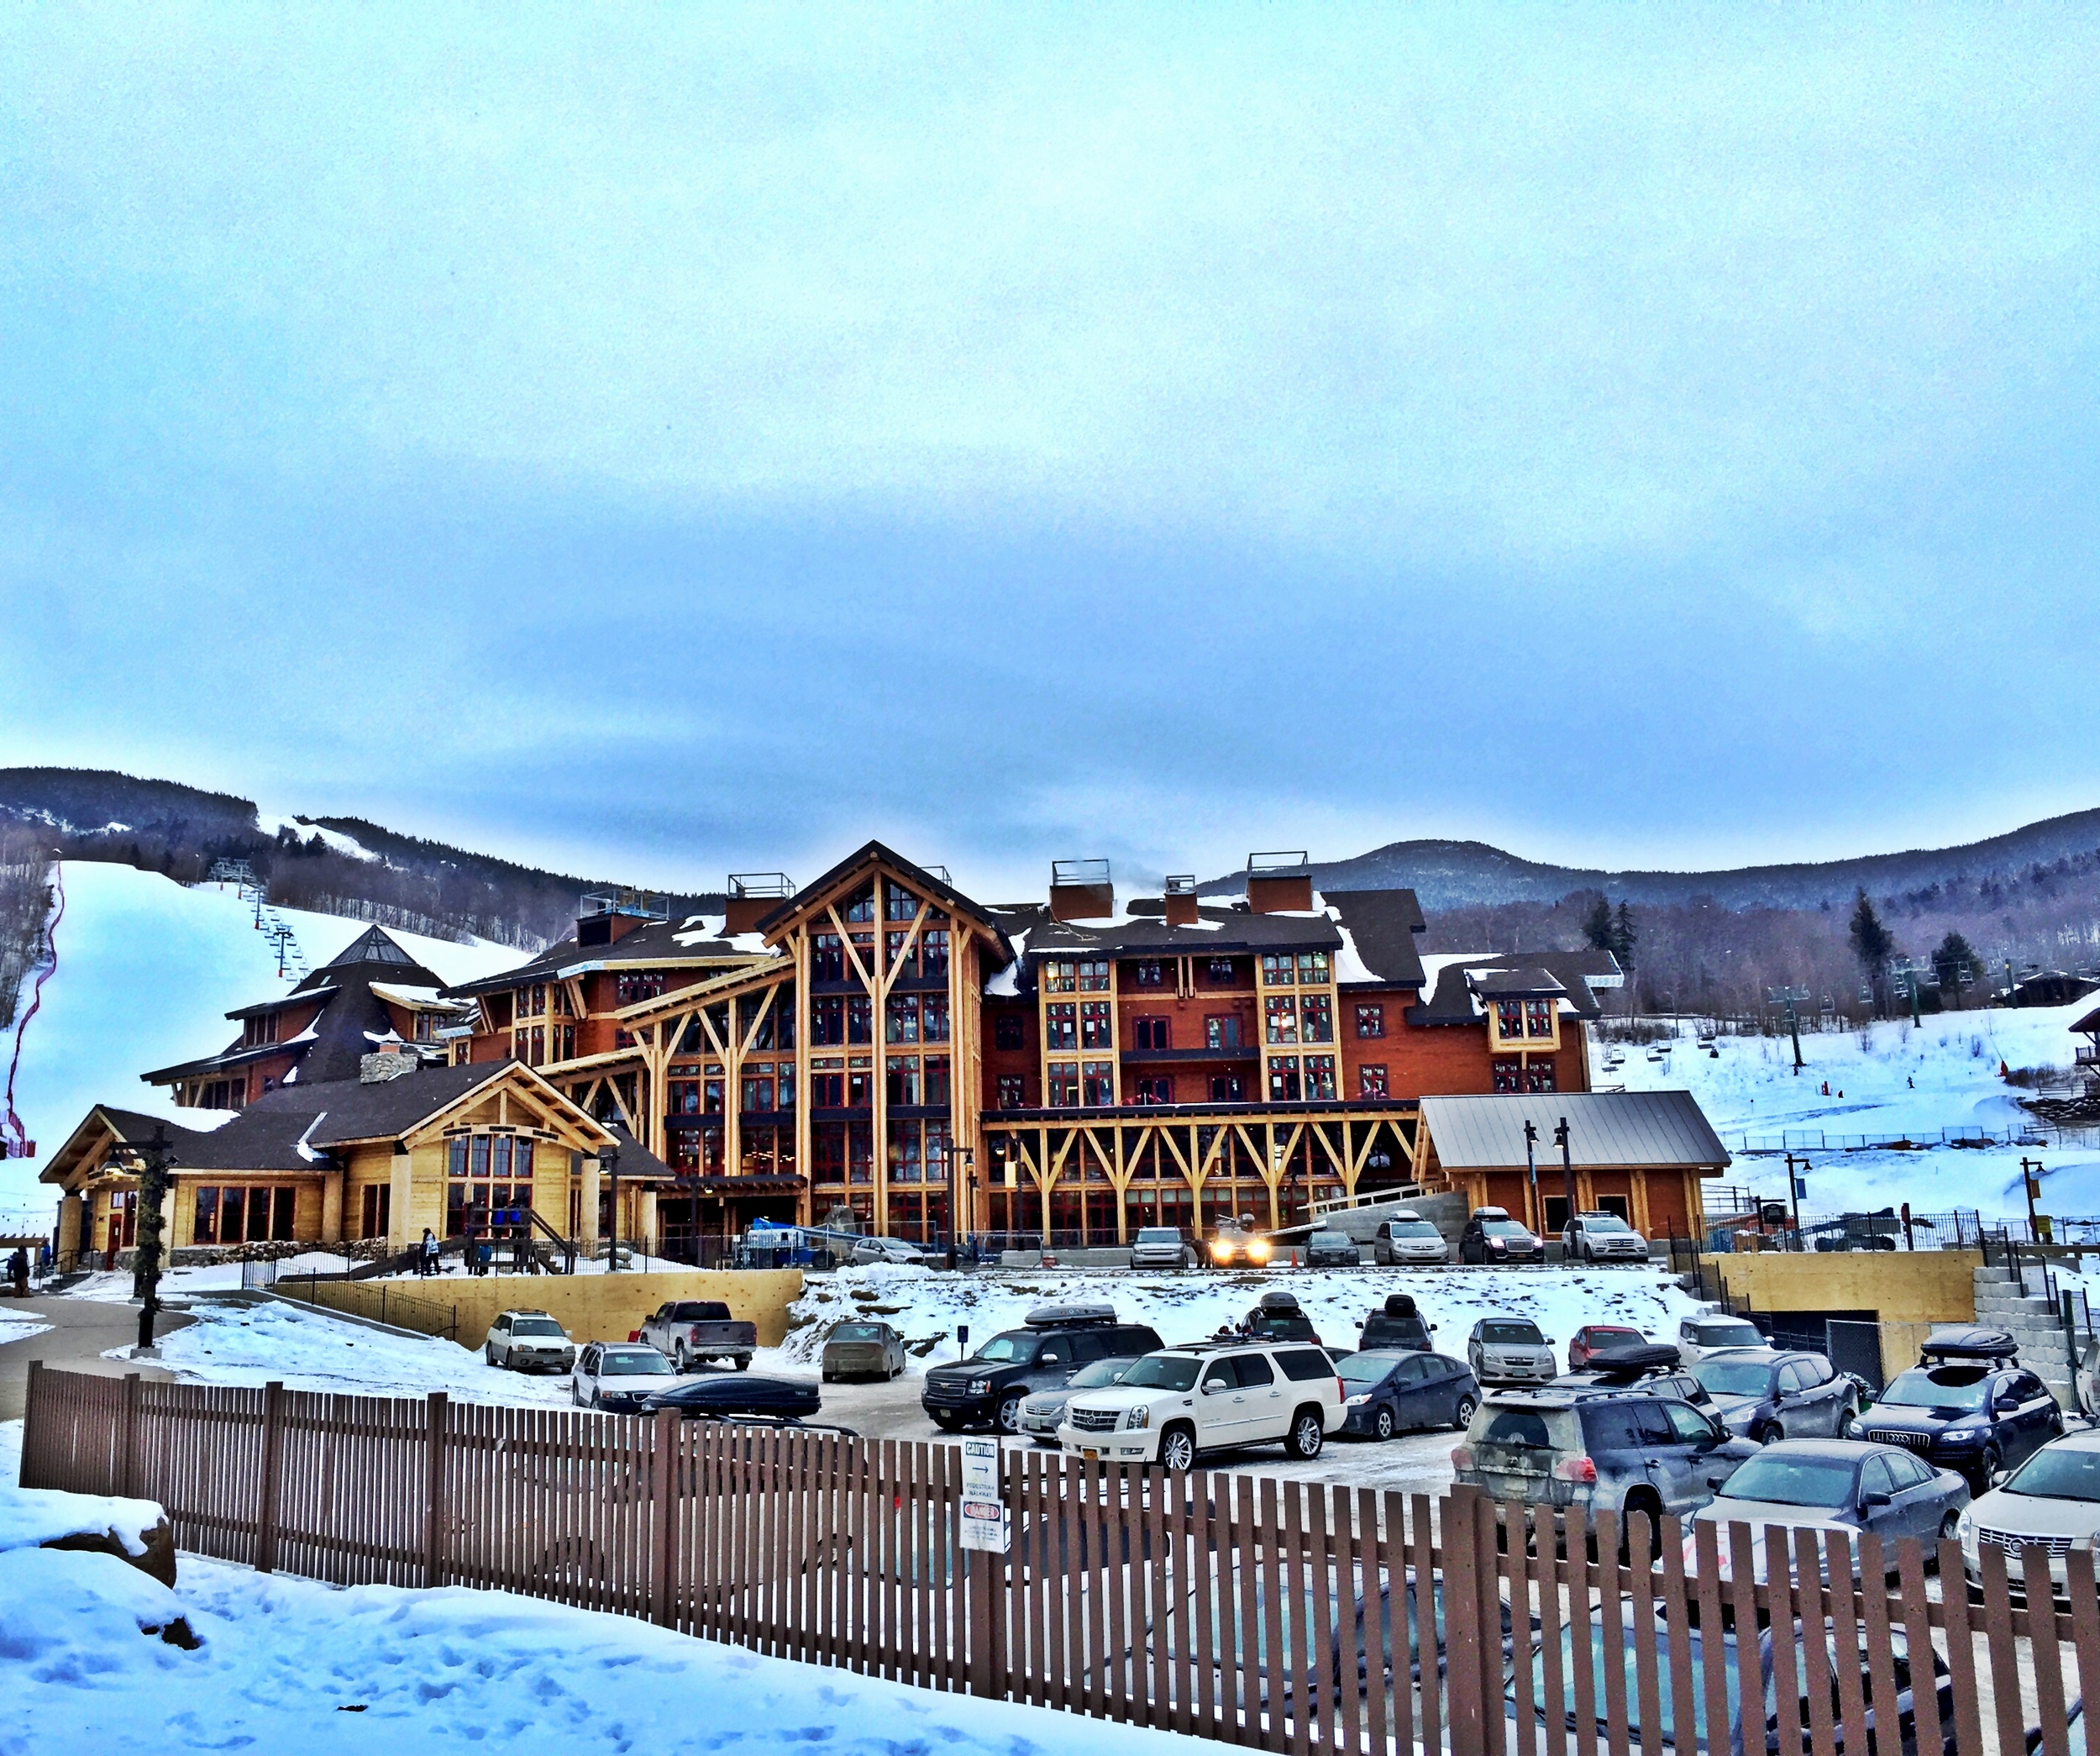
(688, 1332)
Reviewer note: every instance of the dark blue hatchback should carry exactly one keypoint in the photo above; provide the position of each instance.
(1968, 1405)
(1390, 1390)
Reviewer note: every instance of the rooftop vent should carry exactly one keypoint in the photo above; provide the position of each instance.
(753, 896)
(1278, 881)
(1081, 890)
(1181, 900)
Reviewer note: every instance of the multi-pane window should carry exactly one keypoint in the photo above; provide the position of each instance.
(1221, 1030)
(1227, 1088)
(1158, 1089)
(859, 1090)
(1371, 1082)
(901, 952)
(1151, 974)
(933, 1017)
(901, 1019)
(631, 986)
(933, 951)
(1279, 970)
(899, 904)
(1155, 1034)
(1316, 1018)
(1094, 978)
(937, 1080)
(1312, 969)
(1061, 1088)
(684, 1096)
(1371, 1021)
(1509, 1073)
(827, 957)
(1279, 1015)
(539, 1044)
(827, 1090)
(860, 906)
(1538, 1017)
(1097, 1024)
(1097, 1084)
(1284, 1083)
(1319, 1078)
(860, 1018)
(244, 1214)
(757, 1085)
(827, 1020)
(1060, 976)
(1509, 1017)
(902, 1086)
(1008, 1031)
(904, 1154)
(1013, 1092)
(1061, 1025)
(1542, 1077)
(1218, 972)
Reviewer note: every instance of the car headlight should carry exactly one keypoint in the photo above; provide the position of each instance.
(980, 1387)
(1965, 1530)
(1139, 1418)
(1357, 1401)
(1258, 1252)
(1962, 1436)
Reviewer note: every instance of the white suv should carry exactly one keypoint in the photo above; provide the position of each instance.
(1180, 1401)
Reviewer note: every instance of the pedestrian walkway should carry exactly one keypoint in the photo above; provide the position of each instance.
(81, 1331)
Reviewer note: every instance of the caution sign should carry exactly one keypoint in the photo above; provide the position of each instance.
(983, 1511)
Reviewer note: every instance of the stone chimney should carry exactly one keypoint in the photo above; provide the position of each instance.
(386, 1063)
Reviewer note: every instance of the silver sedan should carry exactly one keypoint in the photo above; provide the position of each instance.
(1844, 1484)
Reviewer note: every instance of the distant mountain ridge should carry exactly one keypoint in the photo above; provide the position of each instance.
(1458, 874)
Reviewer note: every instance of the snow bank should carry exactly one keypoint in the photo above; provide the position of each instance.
(70, 1624)
(927, 1306)
(29, 1517)
(286, 1663)
(306, 1350)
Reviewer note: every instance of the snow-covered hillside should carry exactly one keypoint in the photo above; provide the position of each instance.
(147, 970)
(1890, 1081)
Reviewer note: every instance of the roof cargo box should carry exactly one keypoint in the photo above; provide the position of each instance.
(1071, 1314)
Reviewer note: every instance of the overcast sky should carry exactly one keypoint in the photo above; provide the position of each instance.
(665, 442)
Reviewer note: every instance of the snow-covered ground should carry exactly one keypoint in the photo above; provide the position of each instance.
(286, 1663)
(929, 1305)
(1889, 1080)
(147, 970)
(19, 1322)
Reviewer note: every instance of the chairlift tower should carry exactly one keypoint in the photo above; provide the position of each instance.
(1791, 998)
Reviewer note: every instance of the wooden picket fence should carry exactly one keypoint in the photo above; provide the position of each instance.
(1286, 1615)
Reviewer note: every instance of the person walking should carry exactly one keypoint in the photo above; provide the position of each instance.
(428, 1265)
(18, 1271)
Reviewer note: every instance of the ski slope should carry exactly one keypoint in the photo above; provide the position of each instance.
(147, 970)
(1892, 1080)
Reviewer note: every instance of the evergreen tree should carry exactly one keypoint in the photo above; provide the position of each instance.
(1598, 928)
(1623, 936)
(1954, 952)
(1872, 944)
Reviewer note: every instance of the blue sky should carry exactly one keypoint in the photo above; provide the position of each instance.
(666, 442)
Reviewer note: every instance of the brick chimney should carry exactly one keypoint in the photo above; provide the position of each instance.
(1181, 900)
(1081, 890)
(1278, 882)
(753, 896)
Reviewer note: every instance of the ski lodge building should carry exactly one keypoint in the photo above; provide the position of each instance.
(879, 1041)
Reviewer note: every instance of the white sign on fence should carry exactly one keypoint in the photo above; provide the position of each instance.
(984, 1524)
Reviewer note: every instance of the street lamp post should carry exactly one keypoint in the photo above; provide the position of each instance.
(1567, 1177)
(1531, 1165)
(2030, 1180)
(609, 1164)
(1793, 1194)
(154, 1160)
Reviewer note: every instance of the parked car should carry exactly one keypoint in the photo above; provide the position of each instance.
(1333, 1249)
(862, 1349)
(719, 1395)
(1773, 1393)
(1700, 1336)
(528, 1341)
(1631, 1450)
(1388, 1390)
(1177, 1403)
(1846, 1483)
(1592, 1338)
(1043, 1413)
(1969, 1405)
(1491, 1236)
(1276, 1317)
(1237, 1245)
(1511, 1350)
(691, 1332)
(1653, 1366)
(871, 1251)
(1053, 1343)
(620, 1376)
(1408, 1241)
(1684, 1652)
(2052, 1499)
(1161, 1247)
(1396, 1324)
(1594, 1238)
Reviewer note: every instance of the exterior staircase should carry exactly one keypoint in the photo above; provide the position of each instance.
(2003, 1302)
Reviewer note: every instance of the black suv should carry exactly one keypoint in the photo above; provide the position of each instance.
(1056, 1340)
(1491, 1236)
(1968, 1405)
(1398, 1325)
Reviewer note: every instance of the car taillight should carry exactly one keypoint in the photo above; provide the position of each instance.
(1461, 1457)
(1576, 1469)
(1341, 1390)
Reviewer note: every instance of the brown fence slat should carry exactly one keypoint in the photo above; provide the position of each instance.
(1641, 1539)
(1998, 1641)
(2045, 1651)
(1844, 1637)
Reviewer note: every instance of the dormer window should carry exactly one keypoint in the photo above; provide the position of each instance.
(1509, 1017)
(1538, 1017)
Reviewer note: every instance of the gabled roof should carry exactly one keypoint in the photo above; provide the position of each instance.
(128, 1128)
(866, 857)
(1607, 1130)
(374, 946)
(1453, 992)
(654, 945)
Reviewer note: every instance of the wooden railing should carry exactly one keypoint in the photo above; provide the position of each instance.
(1283, 1615)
